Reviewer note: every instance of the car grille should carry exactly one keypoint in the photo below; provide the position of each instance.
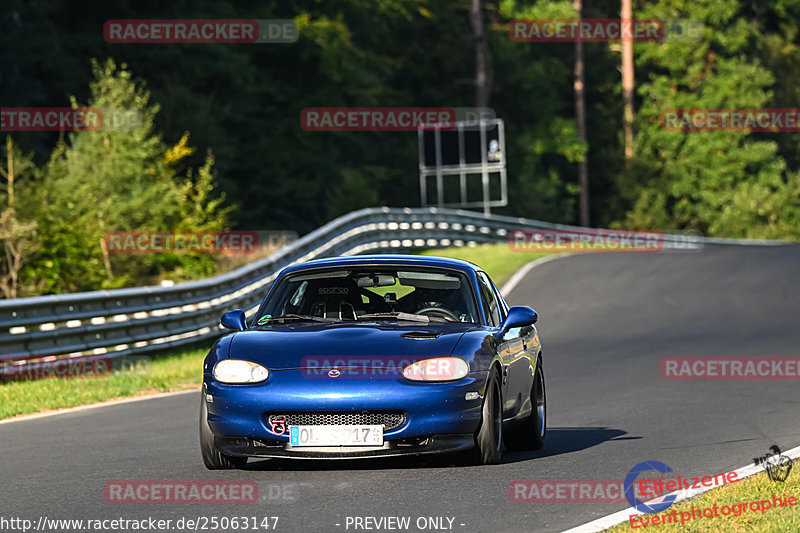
(389, 420)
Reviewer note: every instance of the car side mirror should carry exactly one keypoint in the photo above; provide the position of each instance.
(234, 320)
(518, 316)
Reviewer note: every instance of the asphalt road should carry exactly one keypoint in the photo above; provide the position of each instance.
(606, 321)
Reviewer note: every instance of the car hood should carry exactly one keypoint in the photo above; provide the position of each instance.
(292, 346)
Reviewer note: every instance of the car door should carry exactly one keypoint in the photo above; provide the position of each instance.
(510, 348)
(522, 377)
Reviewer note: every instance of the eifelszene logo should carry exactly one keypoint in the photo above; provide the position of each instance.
(775, 464)
(630, 495)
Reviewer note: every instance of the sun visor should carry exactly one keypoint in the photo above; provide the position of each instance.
(429, 280)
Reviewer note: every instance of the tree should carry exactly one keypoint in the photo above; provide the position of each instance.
(730, 184)
(483, 58)
(18, 239)
(579, 87)
(627, 82)
(533, 81)
(119, 179)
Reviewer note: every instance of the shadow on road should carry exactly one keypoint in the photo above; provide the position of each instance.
(567, 440)
(558, 441)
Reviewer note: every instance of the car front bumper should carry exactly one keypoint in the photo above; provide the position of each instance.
(238, 446)
(438, 417)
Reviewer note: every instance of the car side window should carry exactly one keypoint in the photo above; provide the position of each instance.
(503, 306)
(490, 304)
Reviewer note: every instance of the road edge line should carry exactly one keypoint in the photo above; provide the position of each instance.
(523, 271)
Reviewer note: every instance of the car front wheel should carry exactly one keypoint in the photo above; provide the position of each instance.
(489, 437)
(212, 457)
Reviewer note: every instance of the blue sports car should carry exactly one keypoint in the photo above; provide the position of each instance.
(372, 356)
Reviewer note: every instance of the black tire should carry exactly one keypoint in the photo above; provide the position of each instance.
(213, 458)
(488, 448)
(530, 433)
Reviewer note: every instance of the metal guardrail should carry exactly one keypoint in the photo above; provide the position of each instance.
(138, 320)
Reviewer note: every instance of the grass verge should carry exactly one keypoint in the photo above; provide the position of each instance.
(497, 260)
(182, 370)
(747, 491)
(161, 373)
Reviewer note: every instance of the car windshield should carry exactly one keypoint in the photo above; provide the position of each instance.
(375, 294)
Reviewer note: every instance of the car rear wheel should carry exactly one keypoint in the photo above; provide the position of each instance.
(529, 434)
(213, 458)
(489, 437)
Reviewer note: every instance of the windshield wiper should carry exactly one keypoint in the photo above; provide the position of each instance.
(299, 318)
(403, 316)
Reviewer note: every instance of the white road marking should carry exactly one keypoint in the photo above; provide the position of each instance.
(520, 274)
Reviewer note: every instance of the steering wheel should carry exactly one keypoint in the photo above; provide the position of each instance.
(444, 312)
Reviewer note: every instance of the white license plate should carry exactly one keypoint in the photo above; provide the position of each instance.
(336, 435)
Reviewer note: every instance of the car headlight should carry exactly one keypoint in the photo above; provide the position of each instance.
(239, 371)
(437, 369)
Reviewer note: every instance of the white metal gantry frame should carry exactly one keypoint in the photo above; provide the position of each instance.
(463, 169)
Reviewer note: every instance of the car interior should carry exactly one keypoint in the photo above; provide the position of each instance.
(350, 295)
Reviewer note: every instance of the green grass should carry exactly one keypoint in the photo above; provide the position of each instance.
(162, 373)
(755, 488)
(497, 260)
(179, 371)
